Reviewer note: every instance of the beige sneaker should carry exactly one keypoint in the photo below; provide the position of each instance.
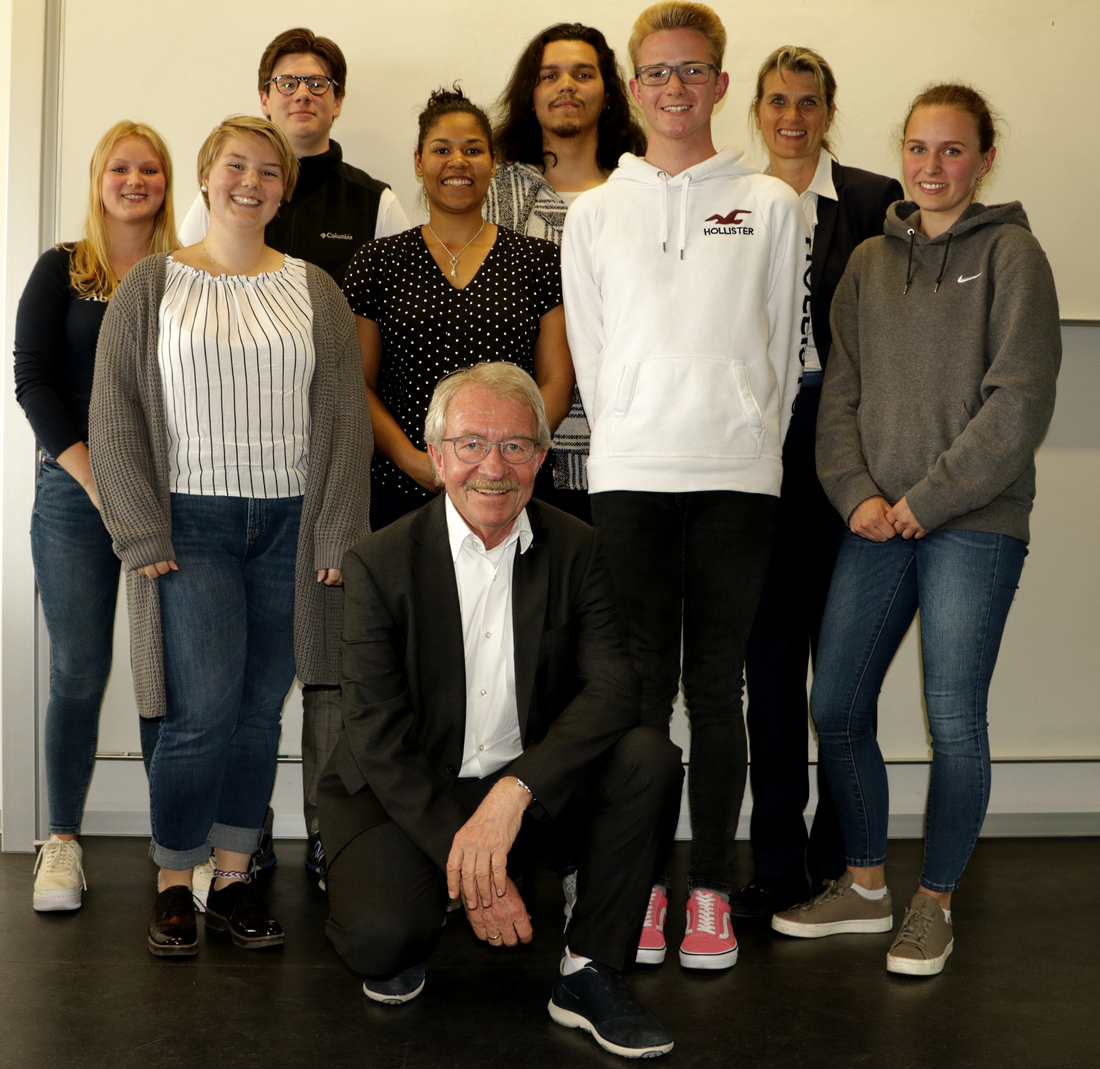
(836, 910)
(924, 941)
(59, 879)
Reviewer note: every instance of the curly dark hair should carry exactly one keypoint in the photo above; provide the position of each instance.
(451, 102)
(518, 133)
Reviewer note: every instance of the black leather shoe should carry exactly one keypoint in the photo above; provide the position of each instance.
(172, 931)
(763, 899)
(597, 999)
(238, 910)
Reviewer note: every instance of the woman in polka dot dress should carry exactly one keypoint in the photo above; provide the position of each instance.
(446, 295)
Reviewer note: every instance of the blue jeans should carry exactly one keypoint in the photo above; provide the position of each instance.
(691, 566)
(963, 582)
(77, 574)
(227, 618)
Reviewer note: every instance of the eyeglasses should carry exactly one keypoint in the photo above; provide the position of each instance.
(472, 448)
(287, 84)
(688, 73)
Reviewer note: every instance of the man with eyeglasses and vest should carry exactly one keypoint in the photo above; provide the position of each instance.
(335, 209)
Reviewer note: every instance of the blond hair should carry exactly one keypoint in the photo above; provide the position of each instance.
(249, 128)
(680, 15)
(90, 270)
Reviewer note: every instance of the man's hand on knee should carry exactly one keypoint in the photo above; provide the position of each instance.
(504, 922)
(477, 867)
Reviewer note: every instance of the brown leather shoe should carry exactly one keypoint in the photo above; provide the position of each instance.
(172, 931)
(240, 911)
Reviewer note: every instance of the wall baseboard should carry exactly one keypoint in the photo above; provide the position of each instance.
(1029, 798)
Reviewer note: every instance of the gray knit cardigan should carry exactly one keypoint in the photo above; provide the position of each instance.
(128, 438)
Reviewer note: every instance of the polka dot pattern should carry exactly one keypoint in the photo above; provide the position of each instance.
(429, 328)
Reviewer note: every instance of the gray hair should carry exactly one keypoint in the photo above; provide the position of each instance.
(500, 377)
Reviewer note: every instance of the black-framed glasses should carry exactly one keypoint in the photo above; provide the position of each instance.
(472, 448)
(688, 73)
(317, 84)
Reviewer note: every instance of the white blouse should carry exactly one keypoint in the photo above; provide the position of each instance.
(236, 362)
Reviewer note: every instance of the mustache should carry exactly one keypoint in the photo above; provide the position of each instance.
(505, 485)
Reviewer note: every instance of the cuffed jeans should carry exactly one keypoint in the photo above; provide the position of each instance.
(693, 565)
(227, 618)
(77, 575)
(963, 582)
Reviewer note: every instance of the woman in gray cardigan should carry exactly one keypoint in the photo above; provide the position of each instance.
(230, 442)
(940, 385)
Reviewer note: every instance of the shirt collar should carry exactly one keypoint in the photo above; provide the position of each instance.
(458, 532)
(822, 182)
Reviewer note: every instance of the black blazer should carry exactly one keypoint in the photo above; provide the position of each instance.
(858, 213)
(404, 682)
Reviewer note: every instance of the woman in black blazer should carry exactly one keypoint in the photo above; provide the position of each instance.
(793, 109)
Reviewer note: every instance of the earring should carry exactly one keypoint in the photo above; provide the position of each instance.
(202, 189)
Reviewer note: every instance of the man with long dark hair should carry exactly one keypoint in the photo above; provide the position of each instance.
(564, 120)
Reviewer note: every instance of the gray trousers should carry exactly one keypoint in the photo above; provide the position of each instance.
(320, 729)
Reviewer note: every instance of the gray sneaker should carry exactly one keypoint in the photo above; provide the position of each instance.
(836, 910)
(402, 988)
(924, 941)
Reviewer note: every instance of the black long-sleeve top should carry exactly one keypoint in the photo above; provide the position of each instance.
(55, 340)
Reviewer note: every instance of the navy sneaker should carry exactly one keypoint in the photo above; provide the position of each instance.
(402, 988)
(264, 858)
(597, 999)
(315, 859)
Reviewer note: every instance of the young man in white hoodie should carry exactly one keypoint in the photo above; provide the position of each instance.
(683, 283)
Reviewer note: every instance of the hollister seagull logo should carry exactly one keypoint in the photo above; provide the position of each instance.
(728, 224)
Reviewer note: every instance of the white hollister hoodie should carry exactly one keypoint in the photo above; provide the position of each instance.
(684, 302)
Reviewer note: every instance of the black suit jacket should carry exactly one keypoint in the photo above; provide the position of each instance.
(404, 682)
(857, 214)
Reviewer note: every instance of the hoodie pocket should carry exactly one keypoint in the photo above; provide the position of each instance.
(685, 407)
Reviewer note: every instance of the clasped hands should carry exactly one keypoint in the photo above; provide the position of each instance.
(875, 520)
(477, 867)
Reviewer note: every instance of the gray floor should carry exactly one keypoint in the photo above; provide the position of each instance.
(1021, 990)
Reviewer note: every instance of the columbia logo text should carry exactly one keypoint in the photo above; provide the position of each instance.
(338, 237)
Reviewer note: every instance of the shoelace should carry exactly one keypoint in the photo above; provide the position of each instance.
(708, 922)
(914, 926)
(649, 909)
(58, 855)
(618, 994)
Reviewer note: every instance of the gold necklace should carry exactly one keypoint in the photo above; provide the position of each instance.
(226, 269)
(455, 255)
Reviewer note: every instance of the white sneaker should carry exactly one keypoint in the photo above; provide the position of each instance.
(60, 874)
(202, 879)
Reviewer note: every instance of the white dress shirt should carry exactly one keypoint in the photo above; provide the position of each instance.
(484, 579)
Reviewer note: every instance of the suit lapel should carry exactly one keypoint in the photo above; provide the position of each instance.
(530, 578)
(826, 224)
(441, 655)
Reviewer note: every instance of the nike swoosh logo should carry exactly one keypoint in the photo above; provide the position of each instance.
(970, 278)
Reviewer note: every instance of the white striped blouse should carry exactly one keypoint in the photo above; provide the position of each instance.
(236, 360)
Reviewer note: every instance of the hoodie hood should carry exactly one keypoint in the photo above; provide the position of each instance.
(903, 222)
(729, 162)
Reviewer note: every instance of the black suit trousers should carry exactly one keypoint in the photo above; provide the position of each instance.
(387, 898)
(807, 540)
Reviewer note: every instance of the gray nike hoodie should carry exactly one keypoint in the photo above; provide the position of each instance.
(940, 382)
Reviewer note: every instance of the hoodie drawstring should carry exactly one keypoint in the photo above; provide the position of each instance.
(664, 210)
(909, 263)
(683, 211)
(943, 266)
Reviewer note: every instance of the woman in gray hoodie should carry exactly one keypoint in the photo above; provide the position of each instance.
(940, 385)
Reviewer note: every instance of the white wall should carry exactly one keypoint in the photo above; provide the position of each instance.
(184, 67)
